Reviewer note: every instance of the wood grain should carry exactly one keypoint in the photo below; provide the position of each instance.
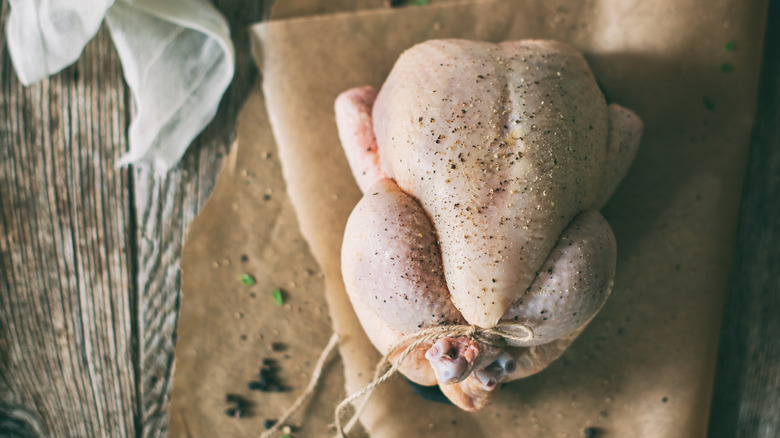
(89, 256)
(67, 298)
(746, 401)
(164, 209)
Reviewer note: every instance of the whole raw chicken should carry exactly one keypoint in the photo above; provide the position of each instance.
(483, 167)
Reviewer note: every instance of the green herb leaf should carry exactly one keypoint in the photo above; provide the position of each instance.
(729, 46)
(420, 2)
(726, 67)
(709, 103)
(286, 436)
(246, 279)
(278, 296)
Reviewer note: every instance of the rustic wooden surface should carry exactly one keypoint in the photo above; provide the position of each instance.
(746, 400)
(89, 281)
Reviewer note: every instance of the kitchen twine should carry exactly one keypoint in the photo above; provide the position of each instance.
(495, 336)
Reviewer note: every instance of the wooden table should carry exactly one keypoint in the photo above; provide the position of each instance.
(89, 280)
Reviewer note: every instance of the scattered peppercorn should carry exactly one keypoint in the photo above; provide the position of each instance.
(239, 406)
(267, 424)
(267, 380)
(277, 347)
(232, 398)
(589, 432)
(256, 386)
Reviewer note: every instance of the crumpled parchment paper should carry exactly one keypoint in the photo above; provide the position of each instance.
(644, 367)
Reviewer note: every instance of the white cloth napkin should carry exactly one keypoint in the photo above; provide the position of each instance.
(176, 55)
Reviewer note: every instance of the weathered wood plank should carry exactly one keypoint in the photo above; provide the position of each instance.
(746, 401)
(164, 209)
(66, 291)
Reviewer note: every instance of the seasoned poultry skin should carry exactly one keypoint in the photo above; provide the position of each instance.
(483, 167)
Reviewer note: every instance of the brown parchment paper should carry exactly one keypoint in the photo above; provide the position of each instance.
(644, 366)
(226, 328)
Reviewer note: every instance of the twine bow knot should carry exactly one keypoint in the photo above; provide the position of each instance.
(503, 334)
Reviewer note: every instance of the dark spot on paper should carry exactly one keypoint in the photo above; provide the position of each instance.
(590, 432)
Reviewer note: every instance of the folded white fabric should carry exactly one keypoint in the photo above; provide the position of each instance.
(176, 55)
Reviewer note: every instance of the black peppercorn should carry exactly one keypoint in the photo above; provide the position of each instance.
(257, 386)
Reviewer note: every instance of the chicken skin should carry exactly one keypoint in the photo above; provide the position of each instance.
(483, 167)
